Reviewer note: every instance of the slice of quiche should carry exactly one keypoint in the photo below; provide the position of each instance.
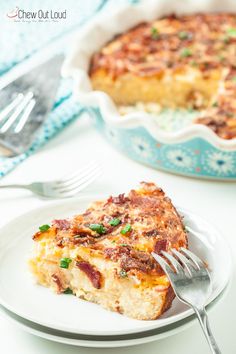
(104, 255)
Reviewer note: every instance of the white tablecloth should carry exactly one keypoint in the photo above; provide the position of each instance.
(80, 143)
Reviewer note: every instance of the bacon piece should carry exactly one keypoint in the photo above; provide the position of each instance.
(127, 263)
(80, 232)
(37, 235)
(120, 199)
(60, 243)
(111, 253)
(140, 255)
(58, 283)
(61, 224)
(130, 258)
(160, 245)
(93, 274)
(82, 240)
(152, 233)
(147, 202)
(115, 253)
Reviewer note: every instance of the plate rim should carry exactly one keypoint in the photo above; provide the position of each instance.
(181, 326)
(89, 198)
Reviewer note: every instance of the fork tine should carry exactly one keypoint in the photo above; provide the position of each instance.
(77, 182)
(77, 178)
(80, 186)
(195, 259)
(164, 265)
(177, 266)
(185, 261)
(68, 177)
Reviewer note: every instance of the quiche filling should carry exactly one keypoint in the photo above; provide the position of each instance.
(184, 62)
(104, 255)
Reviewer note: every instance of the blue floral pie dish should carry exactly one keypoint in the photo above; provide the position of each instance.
(193, 150)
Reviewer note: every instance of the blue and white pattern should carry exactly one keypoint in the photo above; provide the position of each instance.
(112, 135)
(219, 163)
(180, 158)
(195, 157)
(141, 146)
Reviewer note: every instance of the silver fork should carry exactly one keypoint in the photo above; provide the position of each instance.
(65, 187)
(191, 283)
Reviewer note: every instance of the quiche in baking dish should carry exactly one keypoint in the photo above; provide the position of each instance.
(104, 255)
(187, 61)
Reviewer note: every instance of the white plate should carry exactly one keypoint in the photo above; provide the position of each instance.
(20, 295)
(106, 341)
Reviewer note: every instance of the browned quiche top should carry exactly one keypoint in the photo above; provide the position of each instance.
(203, 40)
(124, 229)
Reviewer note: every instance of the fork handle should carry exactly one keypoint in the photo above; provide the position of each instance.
(203, 319)
(25, 186)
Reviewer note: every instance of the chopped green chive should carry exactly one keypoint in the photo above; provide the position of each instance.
(186, 52)
(221, 57)
(113, 241)
(234, 78)
(231, 32)
(45, 227)
(214, 104)
(115, 222)
(226, 39)
(99, 228)
(124, 244)
(206, 65)
(183, 35)
(65, 262)
(123, 273)
(68, 291)
(193, 63)
(126, 229)
(154, 33)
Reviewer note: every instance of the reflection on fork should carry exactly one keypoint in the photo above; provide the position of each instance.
(16, 113)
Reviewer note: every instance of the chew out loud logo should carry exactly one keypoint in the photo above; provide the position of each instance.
(18, 14)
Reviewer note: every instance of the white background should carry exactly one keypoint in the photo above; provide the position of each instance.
(80, 143)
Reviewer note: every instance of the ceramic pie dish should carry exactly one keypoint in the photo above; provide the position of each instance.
(194, 150)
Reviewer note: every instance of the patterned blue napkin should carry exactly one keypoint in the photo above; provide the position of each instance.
(20, 40)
